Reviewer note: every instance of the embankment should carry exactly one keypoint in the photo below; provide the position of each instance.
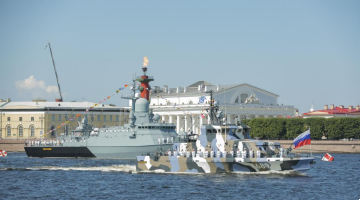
(323, 146)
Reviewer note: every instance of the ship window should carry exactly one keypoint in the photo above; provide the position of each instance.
(225, 130)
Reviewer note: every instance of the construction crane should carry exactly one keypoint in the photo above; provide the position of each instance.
(57, 79)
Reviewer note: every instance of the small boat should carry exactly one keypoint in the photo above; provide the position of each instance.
(222, 148)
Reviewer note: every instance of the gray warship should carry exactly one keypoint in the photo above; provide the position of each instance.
(143, 134)
(222, 148)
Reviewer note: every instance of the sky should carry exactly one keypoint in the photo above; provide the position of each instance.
(307, 52)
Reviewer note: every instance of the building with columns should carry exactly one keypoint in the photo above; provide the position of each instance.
(29, 120)
(186, 106)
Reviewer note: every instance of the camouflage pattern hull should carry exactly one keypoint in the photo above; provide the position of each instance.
(180, 164)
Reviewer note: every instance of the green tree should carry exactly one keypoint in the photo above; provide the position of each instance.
(294, 127)
(275, 128)
(334, 128)
(351, 127)
(317, 127)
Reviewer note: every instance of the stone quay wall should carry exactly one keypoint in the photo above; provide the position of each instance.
(317, 146)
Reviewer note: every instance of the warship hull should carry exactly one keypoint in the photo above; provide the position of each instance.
(112, 152)
(74, 152)
(180, 164)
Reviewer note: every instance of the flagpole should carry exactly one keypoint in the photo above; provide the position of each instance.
(310, 143)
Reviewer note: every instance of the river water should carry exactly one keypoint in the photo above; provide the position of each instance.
(68, 178)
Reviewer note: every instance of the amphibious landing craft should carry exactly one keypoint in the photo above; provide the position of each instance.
(222, 148)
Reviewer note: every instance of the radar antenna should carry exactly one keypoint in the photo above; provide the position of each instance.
(214, 112)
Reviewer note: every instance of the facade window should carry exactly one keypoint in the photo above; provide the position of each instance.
(8, 131)
(244, 97)
(32, 119)
(104, 118)
(117, 118)
(66, 117)
(32, 131)
(52, 132)
(8, 119)
(59, 117)
(66, 129)
(237, 100)
(111, 118)
(21, 131)
(98, 118)
(53, 117)
(79, 118)
(20, 119)
(92, 118)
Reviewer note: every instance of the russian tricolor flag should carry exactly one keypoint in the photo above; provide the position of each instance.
(302, 139)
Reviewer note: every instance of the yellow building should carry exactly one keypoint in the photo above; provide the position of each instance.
(22, 120)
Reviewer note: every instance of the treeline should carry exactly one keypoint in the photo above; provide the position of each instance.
(284, 128)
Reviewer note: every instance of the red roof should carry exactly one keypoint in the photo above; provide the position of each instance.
(336, 110)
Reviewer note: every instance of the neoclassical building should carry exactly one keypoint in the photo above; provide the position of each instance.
(185, 106)
(26, 120)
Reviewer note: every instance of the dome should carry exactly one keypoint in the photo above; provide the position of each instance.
(312, 108)
(142, 105)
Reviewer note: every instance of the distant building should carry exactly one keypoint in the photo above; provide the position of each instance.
(20, 120)
(185, 106)
(338, 111)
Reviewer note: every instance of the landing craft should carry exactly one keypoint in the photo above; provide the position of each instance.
(222, 148)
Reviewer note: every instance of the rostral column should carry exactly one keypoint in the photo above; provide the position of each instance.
(144, 87)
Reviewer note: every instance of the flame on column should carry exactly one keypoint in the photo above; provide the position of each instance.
(146, 62)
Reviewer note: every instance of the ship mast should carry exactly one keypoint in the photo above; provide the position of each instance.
(133, 100)
(214, 111)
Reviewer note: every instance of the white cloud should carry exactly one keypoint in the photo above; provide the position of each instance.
(51, 89)
(35, 88)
